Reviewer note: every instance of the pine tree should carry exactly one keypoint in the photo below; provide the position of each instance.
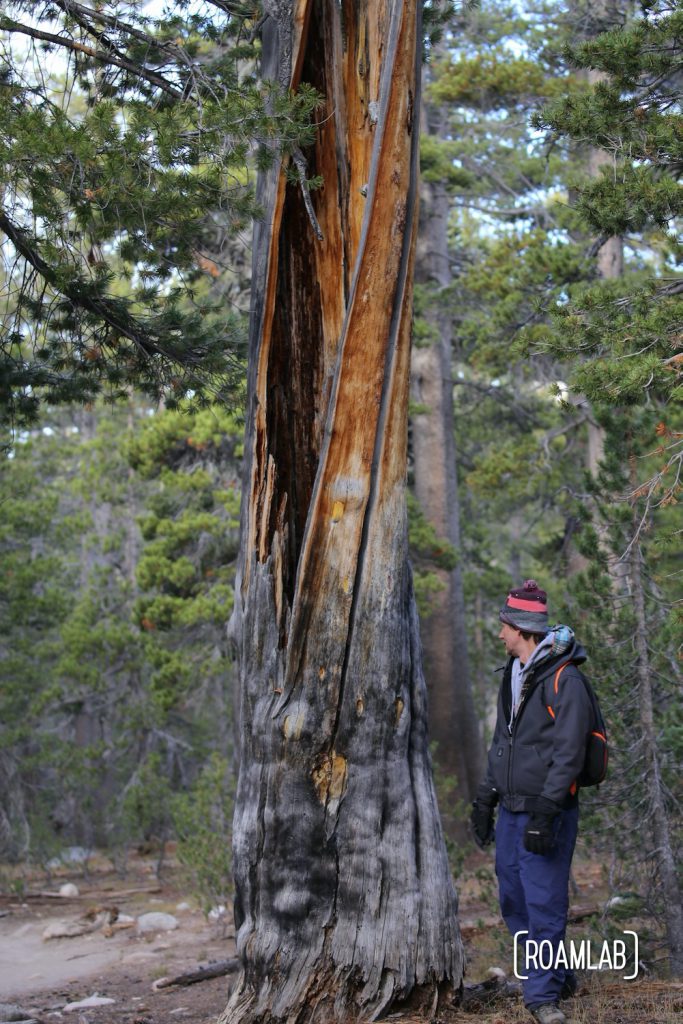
(118, 550)
(125, 164)
(626, 332)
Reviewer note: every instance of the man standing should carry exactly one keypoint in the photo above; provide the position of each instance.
(538, 751)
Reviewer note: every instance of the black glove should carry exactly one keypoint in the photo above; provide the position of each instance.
(539, 836)
(481, 819)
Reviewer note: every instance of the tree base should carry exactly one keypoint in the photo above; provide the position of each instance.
(333, 995)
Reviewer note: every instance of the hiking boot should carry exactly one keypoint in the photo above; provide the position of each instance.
(548, 1013)
(570, 986)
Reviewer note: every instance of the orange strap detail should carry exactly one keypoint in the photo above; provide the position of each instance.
(557, 674)
(550, 711)
(573, 787)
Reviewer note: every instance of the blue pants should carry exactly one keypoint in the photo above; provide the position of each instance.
(534, 896)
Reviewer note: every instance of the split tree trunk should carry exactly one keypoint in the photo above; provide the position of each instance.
(344, 902)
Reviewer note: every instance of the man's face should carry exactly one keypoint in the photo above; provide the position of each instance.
(513, 640)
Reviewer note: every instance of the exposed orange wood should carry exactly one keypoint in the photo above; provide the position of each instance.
(259, 464)
(329, 559)
(363, 59)
(301, 19)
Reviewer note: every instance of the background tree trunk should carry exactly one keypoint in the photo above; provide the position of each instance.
(343, 895)
(598, 16)
(664, 855)
(453, 721)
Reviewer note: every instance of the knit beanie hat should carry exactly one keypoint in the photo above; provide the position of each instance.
(527, 608)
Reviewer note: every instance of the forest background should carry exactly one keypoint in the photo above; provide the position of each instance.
(546, 371)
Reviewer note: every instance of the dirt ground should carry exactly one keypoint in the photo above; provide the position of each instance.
(41, 977)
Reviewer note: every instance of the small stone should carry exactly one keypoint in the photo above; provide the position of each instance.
(183, 906)
(86, 1004)
(68, 890)
(496, 972)
(156, 921)
(217, 913)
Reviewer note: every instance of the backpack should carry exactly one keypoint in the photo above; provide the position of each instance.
(597, 748)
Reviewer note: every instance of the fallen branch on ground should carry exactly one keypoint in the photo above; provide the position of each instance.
(46, 894)
(217, 969)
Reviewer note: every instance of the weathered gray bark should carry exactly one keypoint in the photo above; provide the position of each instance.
(344, 901)
(453, 721)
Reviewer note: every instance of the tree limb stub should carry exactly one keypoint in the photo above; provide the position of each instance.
(344, 900)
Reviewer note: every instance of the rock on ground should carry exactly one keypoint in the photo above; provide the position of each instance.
(155, 921)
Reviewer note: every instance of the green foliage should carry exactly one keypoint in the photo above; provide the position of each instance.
(454, 813)
(424, 540)
(146, 800)
(628, 331)
(431, 555)
(493, 79)
(126, 172)
(115, 686)
(438, 163)
(202, 818)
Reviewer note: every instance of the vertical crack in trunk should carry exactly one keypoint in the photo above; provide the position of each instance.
(341, 874)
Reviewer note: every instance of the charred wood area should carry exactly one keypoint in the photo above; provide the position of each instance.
(344, 901)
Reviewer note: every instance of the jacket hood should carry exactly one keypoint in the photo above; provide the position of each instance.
(574, 652)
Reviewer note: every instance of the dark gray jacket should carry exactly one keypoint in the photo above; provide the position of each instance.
(546, 749)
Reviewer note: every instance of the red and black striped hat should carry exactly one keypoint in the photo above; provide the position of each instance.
(527, 608)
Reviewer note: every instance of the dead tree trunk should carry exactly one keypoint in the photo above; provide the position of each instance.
(344, 902)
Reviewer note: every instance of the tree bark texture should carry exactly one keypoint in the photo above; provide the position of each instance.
(344, 902)
(664, 855)
(453, 721)
(610, 265)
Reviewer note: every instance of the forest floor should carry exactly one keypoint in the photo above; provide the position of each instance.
(42, 976)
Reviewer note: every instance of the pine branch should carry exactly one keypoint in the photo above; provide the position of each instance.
(80, 14)
(79, 292)
(235, 10)
(8, 25)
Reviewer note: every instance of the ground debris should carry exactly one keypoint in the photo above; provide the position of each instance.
(476, 998)
(12, 1012)
(91, 921)
(87, 1004)
(216, 969)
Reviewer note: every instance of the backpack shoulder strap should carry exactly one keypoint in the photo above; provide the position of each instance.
(558, 673)
(592, 696)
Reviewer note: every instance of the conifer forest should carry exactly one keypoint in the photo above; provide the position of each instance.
(325, 324)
